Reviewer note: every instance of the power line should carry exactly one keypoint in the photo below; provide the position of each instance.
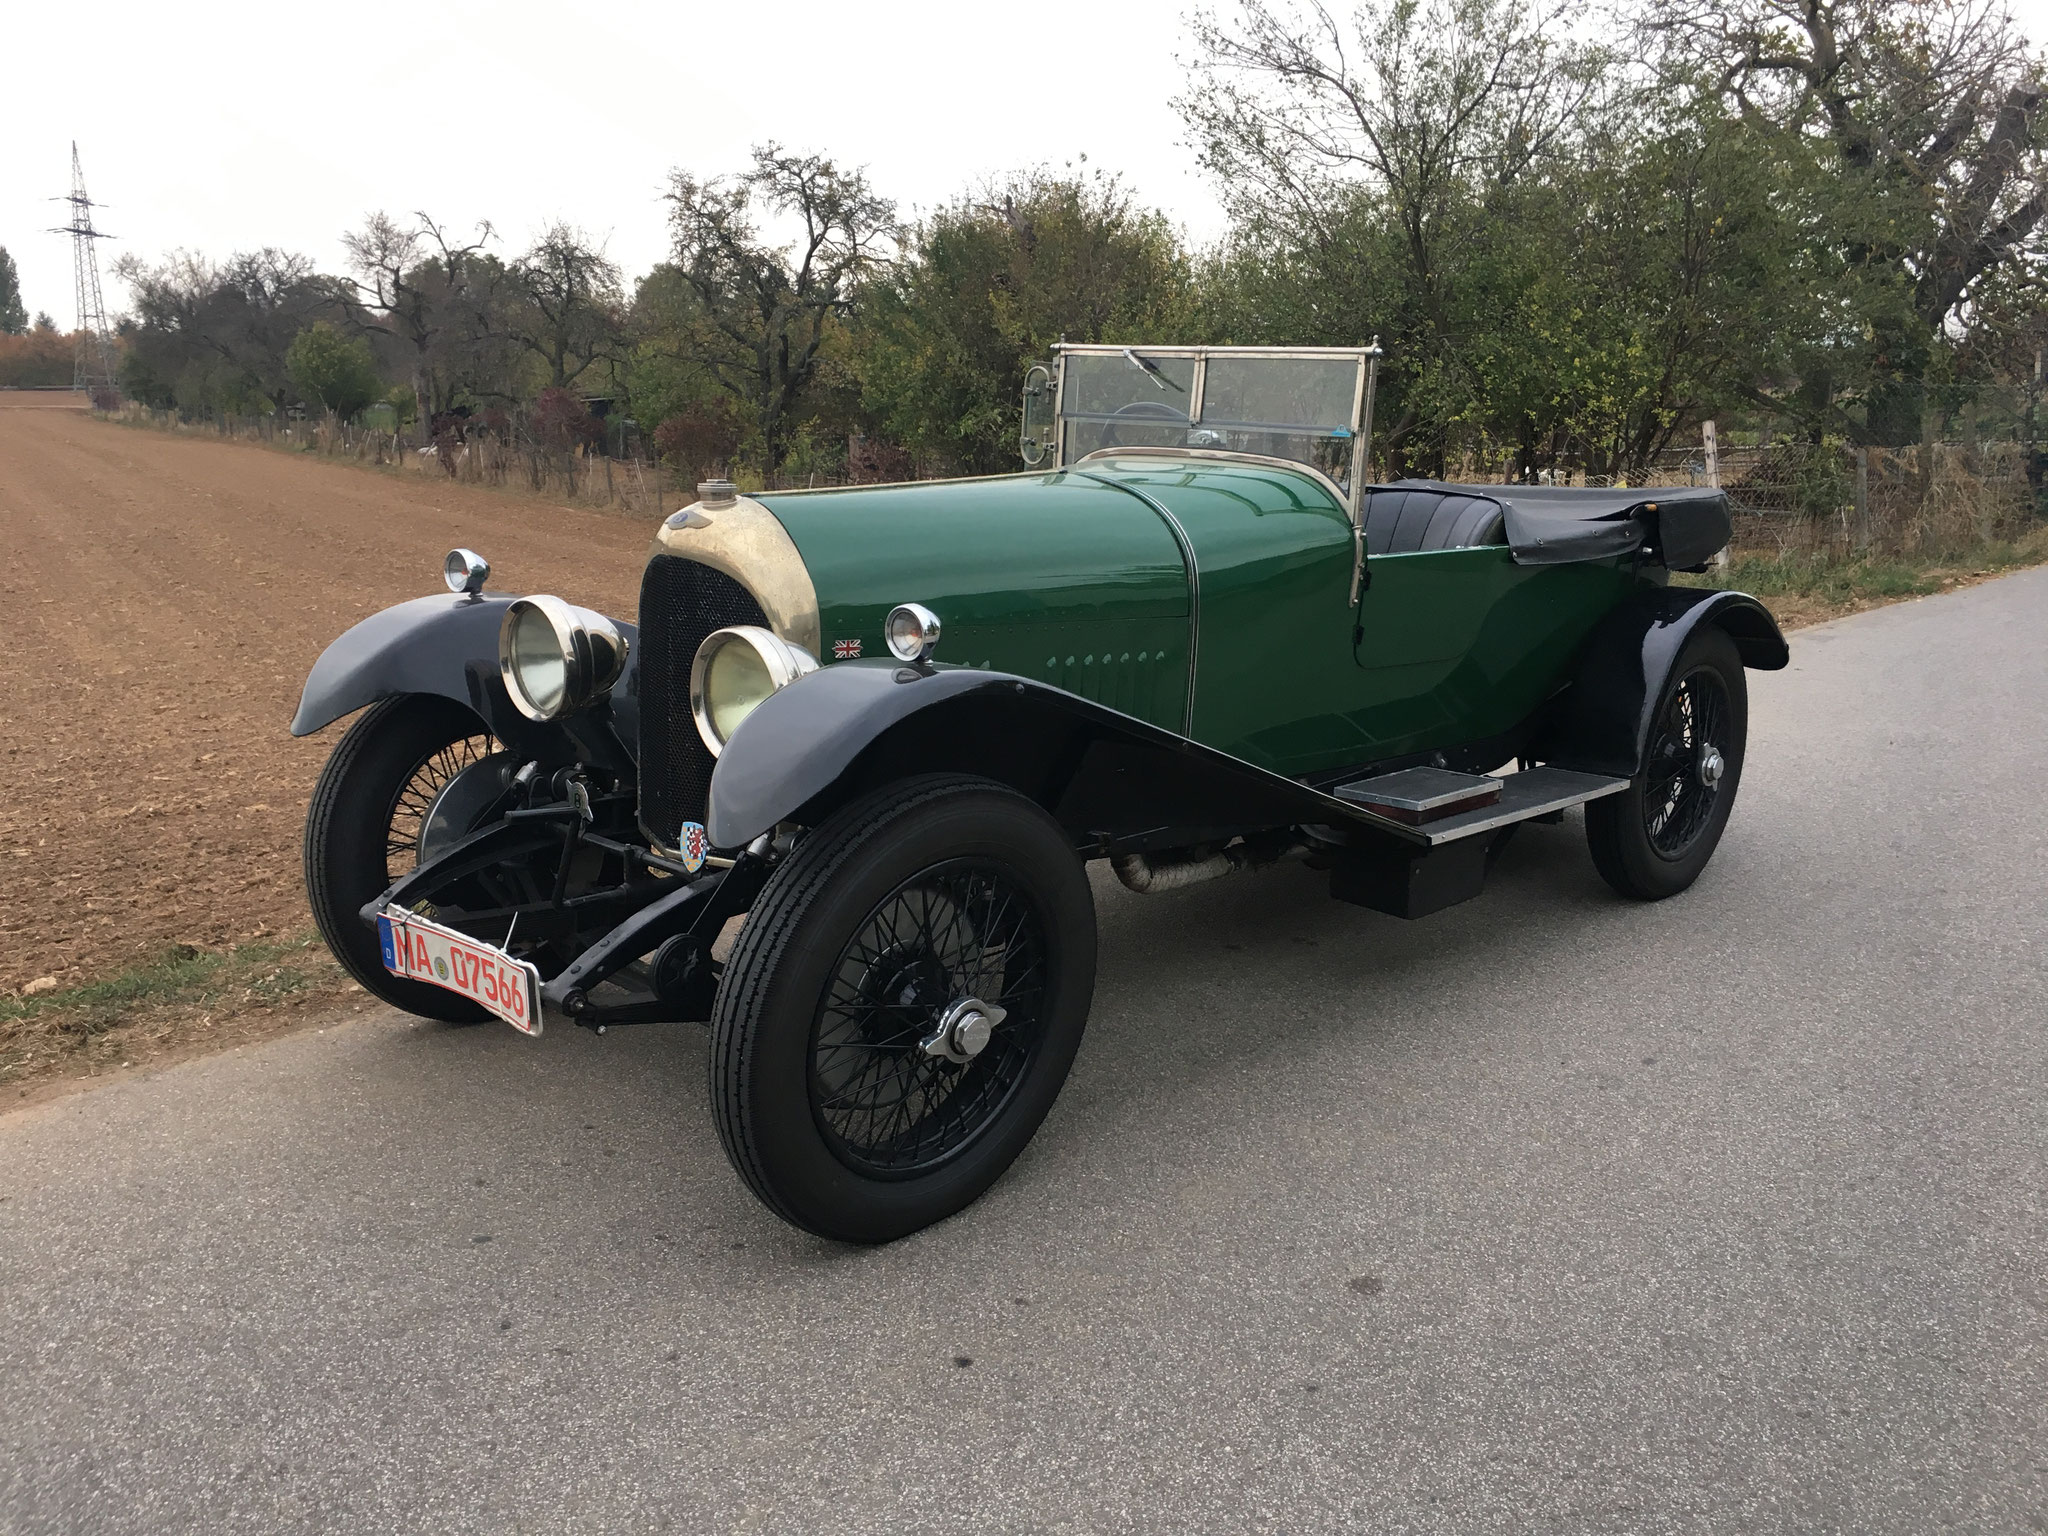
(95, 370)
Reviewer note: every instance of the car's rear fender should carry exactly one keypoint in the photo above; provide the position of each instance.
(1601, 722)
(447, 644)
(1116, 783)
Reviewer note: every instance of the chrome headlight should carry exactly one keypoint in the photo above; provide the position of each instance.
(555, 658)
(734, 671)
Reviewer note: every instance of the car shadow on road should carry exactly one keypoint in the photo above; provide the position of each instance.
(1212, 1005)
(1243, 955)
(1199, 992)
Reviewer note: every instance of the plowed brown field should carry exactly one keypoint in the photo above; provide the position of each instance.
(160, 601)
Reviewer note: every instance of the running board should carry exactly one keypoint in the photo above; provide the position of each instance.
(1523, 797)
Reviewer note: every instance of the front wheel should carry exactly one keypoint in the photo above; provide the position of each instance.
(1653, 839)
(902, 1008)
(364, 826)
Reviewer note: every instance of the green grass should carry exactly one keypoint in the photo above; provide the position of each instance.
(41, 1031)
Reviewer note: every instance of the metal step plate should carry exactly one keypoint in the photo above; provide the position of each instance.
(1418, 796)
(1533, 792)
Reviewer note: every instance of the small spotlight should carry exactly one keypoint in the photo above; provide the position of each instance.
(465, 571)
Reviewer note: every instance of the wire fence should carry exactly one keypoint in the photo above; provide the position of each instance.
(579, 475)
(1925, 500)
(1829, 498)
(1787, 497)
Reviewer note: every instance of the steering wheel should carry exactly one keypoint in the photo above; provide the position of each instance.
(1137, 411)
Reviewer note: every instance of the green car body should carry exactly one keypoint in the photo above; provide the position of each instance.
(1075, 579)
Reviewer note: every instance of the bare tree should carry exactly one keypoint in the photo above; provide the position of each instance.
(767, 306)
(431, 292)
(570, 303)
(1933, 112)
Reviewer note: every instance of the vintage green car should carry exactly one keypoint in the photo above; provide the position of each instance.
(888, 726)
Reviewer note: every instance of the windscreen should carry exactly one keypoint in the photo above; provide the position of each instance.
(1298, 408)
(1280, 394)
(1131, 400)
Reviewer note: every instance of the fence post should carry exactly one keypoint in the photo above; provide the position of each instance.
(1710, 450)
(1862, 501)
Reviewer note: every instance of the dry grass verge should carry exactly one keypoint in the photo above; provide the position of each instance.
(1804, 589)
(184, 1002)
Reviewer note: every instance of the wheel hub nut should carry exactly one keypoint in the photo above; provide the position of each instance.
(1712, 765)
(964, 1030)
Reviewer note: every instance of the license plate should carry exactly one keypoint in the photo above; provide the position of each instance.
(421, 950)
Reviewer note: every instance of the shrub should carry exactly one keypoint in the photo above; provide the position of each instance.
(331, 370)
(870, 461)
(562, 421)
(699, 441)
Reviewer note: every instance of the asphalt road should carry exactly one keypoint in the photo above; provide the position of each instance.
(1550, 1213)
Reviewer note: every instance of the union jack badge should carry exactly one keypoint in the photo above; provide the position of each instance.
(845, 650)
(694, 846)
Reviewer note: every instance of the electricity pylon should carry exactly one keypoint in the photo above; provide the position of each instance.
(95, 369)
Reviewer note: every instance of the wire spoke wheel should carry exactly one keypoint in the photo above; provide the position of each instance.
(1683, 780)
(415, 798)
(1653, 839)
(902, 1006)
(891, 1100)
(363, 828)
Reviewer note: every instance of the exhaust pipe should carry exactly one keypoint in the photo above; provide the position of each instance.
(1151, 874)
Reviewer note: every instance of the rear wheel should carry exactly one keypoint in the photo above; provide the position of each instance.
(902, 1008)
(1653, 839)
(364, 825)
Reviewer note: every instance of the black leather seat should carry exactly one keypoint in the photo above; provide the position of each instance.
(1405, 520)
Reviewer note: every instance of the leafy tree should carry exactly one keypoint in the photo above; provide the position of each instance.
(211, 336)
(1644, 282)
(668, 338)
(988, 284)
(1389, 147)
(1927, 123)
(35, 358)
(333, 369)
(1570, 264)
(567, 304)
(13, 318)
(142, 382)
(765, 309)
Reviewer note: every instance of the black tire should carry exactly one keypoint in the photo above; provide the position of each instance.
(803, 997)
(1653, 839)
(356, 825)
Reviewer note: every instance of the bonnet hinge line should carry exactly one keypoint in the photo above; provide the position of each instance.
(1187, 560)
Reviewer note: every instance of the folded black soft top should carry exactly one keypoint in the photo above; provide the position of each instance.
(1677, 526)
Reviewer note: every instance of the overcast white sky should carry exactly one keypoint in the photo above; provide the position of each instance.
(221, 128)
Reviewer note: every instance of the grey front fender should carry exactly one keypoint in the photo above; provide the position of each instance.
(446, 644)
(1602, 721)
(1113, 781)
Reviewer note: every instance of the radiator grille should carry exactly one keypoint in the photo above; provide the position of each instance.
(681, 602)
